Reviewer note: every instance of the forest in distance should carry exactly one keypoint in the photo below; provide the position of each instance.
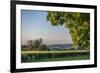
(38, 45)
(78, 26)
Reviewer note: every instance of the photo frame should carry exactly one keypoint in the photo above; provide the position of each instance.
(22, 11)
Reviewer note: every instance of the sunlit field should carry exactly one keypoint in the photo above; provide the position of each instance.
(45, 56)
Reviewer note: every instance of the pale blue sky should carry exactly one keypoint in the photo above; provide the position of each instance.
(35, 26)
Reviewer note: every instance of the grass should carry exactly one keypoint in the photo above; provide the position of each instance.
(59, 56)
(51, 52)
(80, 57)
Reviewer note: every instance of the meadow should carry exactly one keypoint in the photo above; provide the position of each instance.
(45, 56)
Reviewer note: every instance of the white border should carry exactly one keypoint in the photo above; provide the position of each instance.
(20, 65)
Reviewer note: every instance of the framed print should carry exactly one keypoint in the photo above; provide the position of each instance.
(52, 36)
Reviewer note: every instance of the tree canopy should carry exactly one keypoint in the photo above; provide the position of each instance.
(77, 23)
(36, 45)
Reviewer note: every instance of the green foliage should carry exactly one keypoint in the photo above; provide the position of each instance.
(43, 47)
(30, 45)
(77, 23)
(35, 45)
(55, 57)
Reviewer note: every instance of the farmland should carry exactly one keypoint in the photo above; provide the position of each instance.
(52, 52)
(44, 56)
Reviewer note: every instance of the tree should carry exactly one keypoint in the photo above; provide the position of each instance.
(77, 23)
(43, 47)
(30, 45)
(37, 43)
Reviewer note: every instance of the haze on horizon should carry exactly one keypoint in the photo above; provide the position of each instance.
(35, 25)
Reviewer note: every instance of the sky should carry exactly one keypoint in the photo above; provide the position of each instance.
(35, 25)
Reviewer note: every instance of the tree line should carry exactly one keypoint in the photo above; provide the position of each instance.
(36, 45)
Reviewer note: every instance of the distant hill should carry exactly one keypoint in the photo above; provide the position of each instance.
(60, 46)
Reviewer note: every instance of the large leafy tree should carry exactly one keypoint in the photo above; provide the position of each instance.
(77, 23)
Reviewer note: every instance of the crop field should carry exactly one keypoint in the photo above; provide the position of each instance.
(44, 56)
(52, 52)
